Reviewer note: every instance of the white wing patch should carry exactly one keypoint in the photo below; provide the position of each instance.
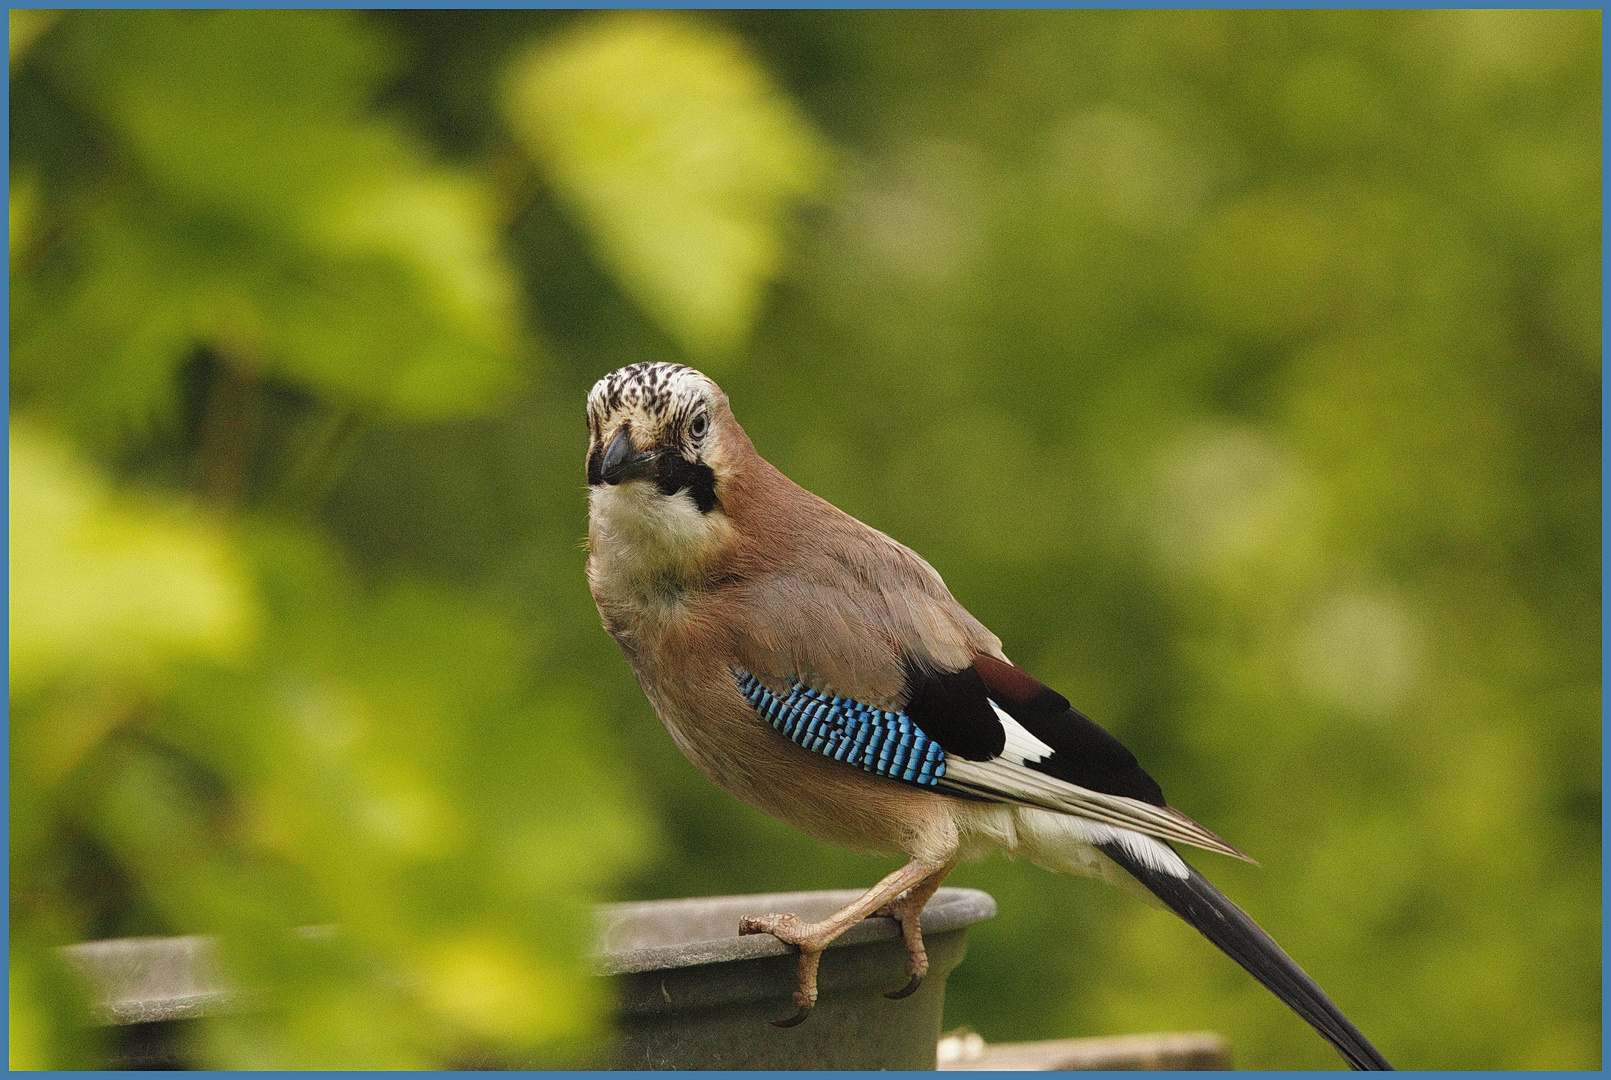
(1115, 818)
(1022, 747)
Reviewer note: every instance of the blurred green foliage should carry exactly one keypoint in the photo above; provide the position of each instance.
(1240, 369)
(670, 144)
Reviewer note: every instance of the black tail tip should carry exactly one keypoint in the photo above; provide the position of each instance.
(1218, 919)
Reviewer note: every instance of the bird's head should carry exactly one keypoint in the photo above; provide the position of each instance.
(662, 441)
(656, 423)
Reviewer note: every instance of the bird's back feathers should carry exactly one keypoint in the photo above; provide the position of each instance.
(817, 596)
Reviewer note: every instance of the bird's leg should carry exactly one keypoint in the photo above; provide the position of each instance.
(812, 938)
(907, 909)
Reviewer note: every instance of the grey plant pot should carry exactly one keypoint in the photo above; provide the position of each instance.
(692, 994)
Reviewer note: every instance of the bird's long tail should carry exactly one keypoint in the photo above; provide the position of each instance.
(1194, 899)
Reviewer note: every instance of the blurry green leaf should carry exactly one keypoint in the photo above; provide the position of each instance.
(23, 215)
(391, 769)
(48, 1013)
(102, 584)
(679, 155)
(491, 986)
(99, 346)
(26, 27)
(268, 215)
(27, 1018)
(405, 300)
(257, 111)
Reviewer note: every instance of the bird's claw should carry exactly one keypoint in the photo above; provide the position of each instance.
(795, 1020)
(906, 911)
(906, 991)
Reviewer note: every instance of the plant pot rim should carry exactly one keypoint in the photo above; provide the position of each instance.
(657, 935)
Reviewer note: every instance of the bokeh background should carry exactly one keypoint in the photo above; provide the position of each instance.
(1240, 369)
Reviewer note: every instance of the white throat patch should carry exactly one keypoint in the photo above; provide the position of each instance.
(639, 534)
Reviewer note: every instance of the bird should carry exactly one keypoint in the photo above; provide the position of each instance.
(820, 671)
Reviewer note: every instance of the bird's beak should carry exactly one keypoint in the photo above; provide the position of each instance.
(621, 462)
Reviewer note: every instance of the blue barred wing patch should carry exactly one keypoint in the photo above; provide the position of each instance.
(844, 729)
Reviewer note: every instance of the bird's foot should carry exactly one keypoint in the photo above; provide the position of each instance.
(907, 910)
(811, 939)
(916, 879)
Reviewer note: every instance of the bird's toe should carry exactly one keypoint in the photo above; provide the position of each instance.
(787, 928)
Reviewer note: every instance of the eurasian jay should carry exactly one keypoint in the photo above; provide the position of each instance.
(821, 672)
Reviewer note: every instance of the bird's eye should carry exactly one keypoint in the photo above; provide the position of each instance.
(699, 426)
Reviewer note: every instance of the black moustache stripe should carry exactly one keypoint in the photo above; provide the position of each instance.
(674, 473)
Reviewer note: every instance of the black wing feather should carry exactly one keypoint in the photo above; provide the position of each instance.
(969, 714)
(1083, 752)
(1230, 928)
(953, 709)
